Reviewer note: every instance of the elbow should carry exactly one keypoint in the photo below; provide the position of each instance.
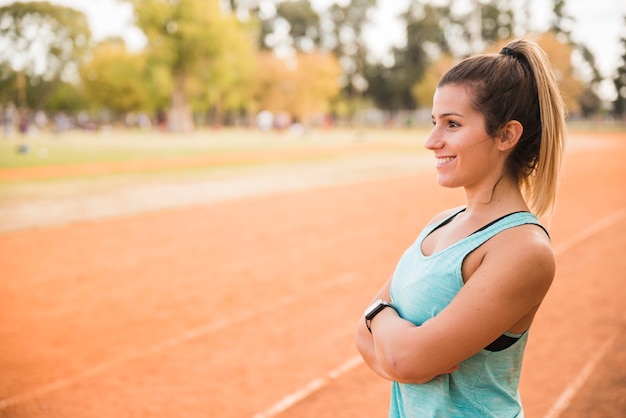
(363, 341)
(405, 371)
(414, 375)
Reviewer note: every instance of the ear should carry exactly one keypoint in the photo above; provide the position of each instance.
(510, 135)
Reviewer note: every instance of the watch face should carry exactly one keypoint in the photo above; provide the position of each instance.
(372, 307)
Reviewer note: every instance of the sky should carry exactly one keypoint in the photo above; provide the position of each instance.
(599, 25)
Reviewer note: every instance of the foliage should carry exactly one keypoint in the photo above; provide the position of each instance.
(207, 57)
(424, 90)
(347, 35)
(496, 22)
(339, 29)
(226, 82)
(66, 98)
(42, 46)
(390, 87)
(304, 31)
(302, 85)
(560, 54)
(116, 80)
(189, 37)
(586, 69)
(619, 104)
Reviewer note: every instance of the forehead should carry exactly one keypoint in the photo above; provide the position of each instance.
(453, 98)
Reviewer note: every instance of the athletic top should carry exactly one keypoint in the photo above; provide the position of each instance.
(486, 384)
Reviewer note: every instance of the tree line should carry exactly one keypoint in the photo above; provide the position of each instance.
(224, 61)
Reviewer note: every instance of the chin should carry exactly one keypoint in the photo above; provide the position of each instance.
(448, 183)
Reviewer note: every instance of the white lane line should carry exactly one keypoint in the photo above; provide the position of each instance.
(318, 384)
(312, 387)
(590, 231)
(564, 401)
(161, 346)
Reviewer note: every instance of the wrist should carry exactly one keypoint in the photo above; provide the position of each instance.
(373, 310)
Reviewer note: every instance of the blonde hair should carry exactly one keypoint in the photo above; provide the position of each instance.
(519, 84)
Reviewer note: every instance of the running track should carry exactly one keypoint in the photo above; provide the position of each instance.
(247, 307)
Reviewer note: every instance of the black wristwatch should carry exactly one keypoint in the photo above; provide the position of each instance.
(374, 309)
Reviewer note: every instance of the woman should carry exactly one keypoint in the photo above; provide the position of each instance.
(449, 328)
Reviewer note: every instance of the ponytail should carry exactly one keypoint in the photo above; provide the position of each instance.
(540, 187)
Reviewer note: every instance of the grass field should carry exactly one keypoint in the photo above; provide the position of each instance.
(79, 147)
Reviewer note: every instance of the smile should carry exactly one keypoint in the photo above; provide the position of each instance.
(444, 160)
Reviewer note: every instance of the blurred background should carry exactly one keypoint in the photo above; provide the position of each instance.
(178, 65)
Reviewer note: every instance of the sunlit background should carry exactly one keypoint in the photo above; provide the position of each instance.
(597, 25)
(189, 63)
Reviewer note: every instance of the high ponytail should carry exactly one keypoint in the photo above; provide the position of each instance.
(518, 84)
(540, 187)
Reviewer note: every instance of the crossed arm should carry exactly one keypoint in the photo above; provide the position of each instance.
(502, 294)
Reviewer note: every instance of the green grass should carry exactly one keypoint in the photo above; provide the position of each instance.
(114, 146)
(81, 148)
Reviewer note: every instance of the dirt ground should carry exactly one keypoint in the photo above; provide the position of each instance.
(246, 306)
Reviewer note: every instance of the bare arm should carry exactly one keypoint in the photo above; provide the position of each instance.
(505, 290)
(365, 341)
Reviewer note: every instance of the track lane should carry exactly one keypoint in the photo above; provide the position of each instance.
(69, 310)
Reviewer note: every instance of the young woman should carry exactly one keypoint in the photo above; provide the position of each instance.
(450, 326)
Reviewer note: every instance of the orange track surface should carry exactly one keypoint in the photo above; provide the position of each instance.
(248, 307)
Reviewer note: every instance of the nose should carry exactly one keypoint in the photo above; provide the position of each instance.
(433, 141)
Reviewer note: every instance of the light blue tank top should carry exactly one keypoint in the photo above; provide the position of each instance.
(486, 384)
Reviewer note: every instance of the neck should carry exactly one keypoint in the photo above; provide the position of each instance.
(501, 197)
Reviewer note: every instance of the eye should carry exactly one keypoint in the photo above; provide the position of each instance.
(453, 124)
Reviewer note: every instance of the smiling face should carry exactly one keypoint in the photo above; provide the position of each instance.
(466, 155)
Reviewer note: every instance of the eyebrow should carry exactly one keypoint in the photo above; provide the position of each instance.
(444, 115)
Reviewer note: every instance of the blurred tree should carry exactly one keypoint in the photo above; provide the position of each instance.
(296, 25)
(560, 53)
(304, 23)
(302, 85)
(118, 81)
(562, 22)
(66, 98)
(390, 86)
(590, 102)
(42, 47)
(561, 26)
(226, 83)
(468, 31)
(345, 38)
(619, 104)
(497, 21)
(187, 37)
(424, 90)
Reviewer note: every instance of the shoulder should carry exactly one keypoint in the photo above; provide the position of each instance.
(526, 240)
(526, 252)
